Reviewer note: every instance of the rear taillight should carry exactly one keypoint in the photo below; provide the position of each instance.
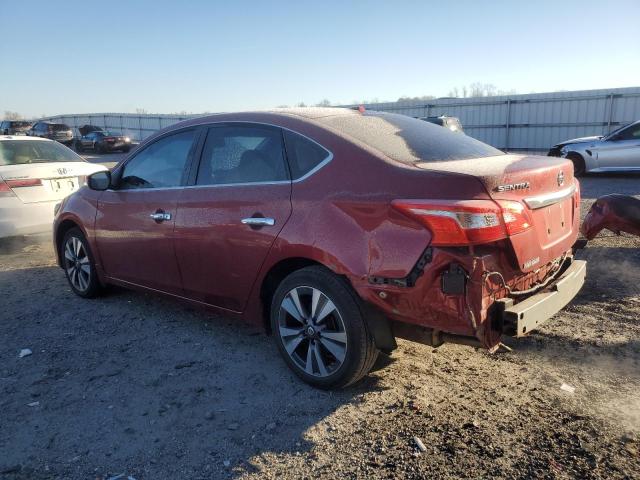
(466, 222)
(5, 191)
(24, 182)
(515, 216)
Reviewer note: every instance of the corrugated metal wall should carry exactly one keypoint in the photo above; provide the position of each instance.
(136, 126)
(530, 122)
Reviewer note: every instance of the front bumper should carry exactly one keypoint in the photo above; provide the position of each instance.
(116, 146)
(522, 318)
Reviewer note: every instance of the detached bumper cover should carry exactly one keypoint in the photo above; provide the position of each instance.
(529, 314)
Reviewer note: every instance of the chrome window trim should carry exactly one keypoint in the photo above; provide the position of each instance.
(279, 182)
(327, 159)
(547, 199)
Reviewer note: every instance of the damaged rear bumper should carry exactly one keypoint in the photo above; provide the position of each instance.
(522, 318)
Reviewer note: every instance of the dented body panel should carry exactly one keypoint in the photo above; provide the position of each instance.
(617, 213)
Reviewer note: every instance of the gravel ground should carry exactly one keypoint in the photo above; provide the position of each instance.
(143, 386)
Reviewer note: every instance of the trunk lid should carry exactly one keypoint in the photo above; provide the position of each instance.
(56, 179)
(545, 186)
(84, 129)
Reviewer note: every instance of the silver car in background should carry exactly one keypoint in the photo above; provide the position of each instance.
(617, 151)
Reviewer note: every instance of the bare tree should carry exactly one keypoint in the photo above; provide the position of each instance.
(301, 104)
(141, 111)
(478, 89)
(405, 98)
(9, 115)
(323, 103)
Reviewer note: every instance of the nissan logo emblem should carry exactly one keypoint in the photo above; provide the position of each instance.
(560, 179)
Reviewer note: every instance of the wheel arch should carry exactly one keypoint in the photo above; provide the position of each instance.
(276, 274)
(61, 229)
(577, 157)
(378, 323)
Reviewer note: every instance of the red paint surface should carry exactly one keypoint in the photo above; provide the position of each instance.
(617, 213)
(340, 217)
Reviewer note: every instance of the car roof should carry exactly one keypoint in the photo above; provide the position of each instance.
(24, 138)
(309, 113)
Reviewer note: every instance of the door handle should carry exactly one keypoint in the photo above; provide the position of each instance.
(160, 216)
(259, 221)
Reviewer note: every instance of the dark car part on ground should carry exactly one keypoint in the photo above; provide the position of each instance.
(339, 229)
(617, 213)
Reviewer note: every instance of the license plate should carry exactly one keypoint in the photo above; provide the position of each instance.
(63, 185)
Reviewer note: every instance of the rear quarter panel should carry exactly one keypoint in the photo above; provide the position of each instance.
(342, 215)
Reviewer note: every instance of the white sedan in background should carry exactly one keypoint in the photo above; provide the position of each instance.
(618, 151)
(35, 174)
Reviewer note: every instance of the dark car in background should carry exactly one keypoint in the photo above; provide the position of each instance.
(100, 141)
(14, 127)
(452, 123)
(59, 132)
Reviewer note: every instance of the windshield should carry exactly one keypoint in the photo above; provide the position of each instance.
(613, 132)
(409, 140)
(56, 127)
(19, 152)
(20, 125)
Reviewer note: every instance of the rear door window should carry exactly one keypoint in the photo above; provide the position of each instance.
(238, 154)
(304, 155)
(159, 165)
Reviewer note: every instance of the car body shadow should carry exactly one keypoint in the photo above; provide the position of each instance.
(141, 384)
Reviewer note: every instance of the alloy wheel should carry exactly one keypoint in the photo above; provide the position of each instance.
(77, 264)
(312, 331)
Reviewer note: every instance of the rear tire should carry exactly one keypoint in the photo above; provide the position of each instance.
(318, 324)
(79, 148)
(579, 168)
(126, 149)
(79, 264)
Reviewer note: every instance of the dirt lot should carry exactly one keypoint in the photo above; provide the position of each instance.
(139, 385)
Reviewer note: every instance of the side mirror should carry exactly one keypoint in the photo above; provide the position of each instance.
(99, 181)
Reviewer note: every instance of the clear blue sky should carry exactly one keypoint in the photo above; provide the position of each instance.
(168, 56)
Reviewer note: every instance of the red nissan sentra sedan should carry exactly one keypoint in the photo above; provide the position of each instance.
(339, 230)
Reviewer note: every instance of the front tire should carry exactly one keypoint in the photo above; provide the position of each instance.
(79, 264)
(579, 168)
(320, 330)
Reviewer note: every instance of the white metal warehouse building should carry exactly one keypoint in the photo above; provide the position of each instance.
(531, 122)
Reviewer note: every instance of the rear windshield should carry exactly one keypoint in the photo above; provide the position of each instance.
(19, 152)
(20, 124)
(409, 140)
(56, 127)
